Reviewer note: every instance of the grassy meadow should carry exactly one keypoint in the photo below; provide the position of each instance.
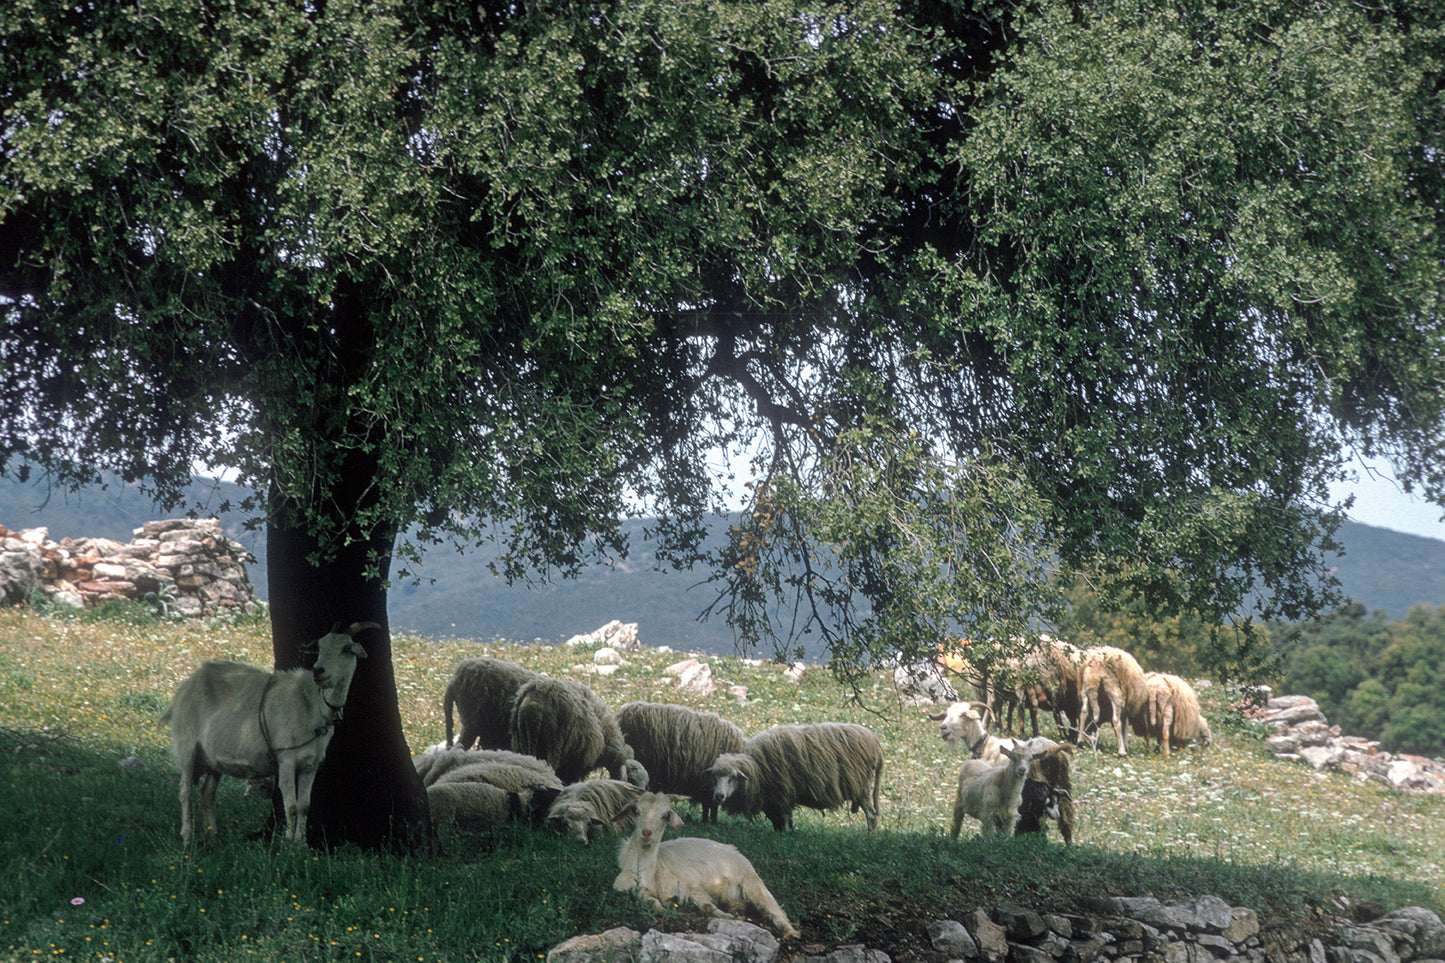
(91, 865)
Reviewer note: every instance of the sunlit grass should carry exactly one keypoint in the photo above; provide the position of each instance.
(77, 697)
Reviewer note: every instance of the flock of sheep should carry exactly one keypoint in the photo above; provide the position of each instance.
(528, 744)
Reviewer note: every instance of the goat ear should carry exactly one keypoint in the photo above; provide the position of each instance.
(354, 648)
(674, 820)
(624, 813)
(938, 716)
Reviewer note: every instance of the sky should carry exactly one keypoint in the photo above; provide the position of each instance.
(1380, 502)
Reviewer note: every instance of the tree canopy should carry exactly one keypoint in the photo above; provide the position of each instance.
(988, 289)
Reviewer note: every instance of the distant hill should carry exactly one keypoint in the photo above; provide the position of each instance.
(458, 597)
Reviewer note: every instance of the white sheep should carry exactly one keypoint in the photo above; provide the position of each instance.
(482, 689)
(569, 726)
(1171, 713)
(991, 794)
(822, 766)
(585, 810)
(435, 765)
(230, 719)
(1111, 689)
(713, 876)
(475, 802)
(677, 745)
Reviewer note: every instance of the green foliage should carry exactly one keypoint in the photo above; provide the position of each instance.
(1143, 277)
(1185, 645)
(1378, 679)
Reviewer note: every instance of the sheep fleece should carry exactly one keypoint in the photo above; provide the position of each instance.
(822, 766)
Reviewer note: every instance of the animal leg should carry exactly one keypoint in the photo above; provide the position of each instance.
(186, 780)
(304, 780)
(209, 782)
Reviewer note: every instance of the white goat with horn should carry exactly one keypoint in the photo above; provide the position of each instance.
(232, 719)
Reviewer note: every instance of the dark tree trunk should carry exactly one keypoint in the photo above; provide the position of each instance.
(367, 791)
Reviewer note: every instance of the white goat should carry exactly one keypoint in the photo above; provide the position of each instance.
(714, 876)
(991, 794)
(961, 725)
(230, 719)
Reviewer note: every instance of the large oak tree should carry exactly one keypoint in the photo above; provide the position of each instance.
(986, 288)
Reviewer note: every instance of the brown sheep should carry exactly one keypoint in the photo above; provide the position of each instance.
(566, 724)
(482, 690)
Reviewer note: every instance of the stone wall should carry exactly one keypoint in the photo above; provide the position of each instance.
(187, 566)
(1301, 732)
(1202, 929)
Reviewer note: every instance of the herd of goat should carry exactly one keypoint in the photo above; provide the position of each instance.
(529, 743)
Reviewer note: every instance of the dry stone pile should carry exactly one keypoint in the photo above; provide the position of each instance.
(1301, 732)
(1197, 930)
(188, 565)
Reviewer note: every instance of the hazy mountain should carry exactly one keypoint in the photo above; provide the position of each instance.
(457, 596)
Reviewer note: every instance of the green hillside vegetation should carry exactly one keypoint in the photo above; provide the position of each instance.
(451, 594)
(1373, 677)
(95, 867)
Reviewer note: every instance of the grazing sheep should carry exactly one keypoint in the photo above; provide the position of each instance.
(991, 794)
(585, 810)
(713, 876)
(1171, 713)
(677, 745)
(1045, 678)
(1054, 766)
(230, 719)
(433, 766)
(822, 766)
(482, 690)
(475, 802)
(1111, 689)
(569, 726)
(1039, 801)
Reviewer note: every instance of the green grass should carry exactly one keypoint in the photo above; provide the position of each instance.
(79, 695)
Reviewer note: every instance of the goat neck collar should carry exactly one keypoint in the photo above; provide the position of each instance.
(335, 710)
(977, 748)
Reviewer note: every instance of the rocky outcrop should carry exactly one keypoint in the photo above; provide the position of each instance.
(1196, 930)
(186, 566)
(1301, 732)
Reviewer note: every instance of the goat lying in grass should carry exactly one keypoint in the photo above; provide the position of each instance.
(230, 719)
(713, 876)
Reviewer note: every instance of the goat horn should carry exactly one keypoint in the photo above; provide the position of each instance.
(356, 627)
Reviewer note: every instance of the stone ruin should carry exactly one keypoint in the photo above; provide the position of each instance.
(186, 566)
(1302, 733)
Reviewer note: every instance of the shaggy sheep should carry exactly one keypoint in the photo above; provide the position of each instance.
(822, 766)
(714, 876)
(477, 802)
(1171, 713)
(585, 810)
(1045, 678)
(433, 766)
(230, 719)
(1111, 689)
(565, 723)
(677, 745)
(991, 794)
(482, 691)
